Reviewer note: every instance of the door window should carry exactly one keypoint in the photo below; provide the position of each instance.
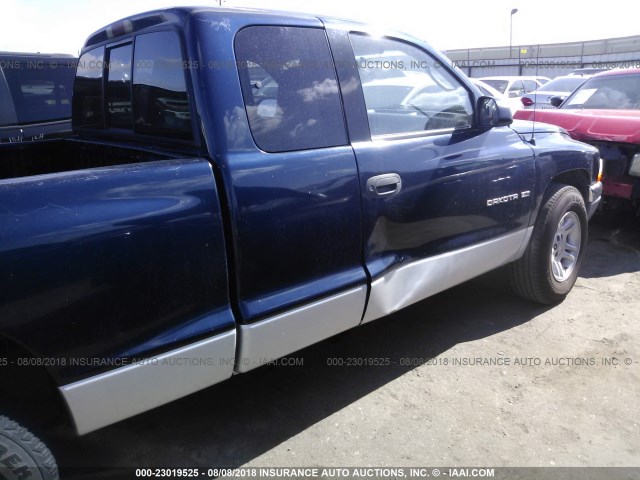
(406, 90)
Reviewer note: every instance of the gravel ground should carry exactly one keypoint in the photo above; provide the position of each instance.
(471, 377)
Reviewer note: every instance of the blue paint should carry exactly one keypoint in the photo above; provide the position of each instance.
(136, 259)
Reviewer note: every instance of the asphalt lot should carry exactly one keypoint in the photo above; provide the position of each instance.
(510, 383)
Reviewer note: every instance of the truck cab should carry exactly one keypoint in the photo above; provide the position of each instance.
(242, 184)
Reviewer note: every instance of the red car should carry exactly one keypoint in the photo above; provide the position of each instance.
(604, 112)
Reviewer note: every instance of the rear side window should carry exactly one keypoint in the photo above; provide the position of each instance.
(290, 88)
(41, 90)
(87, 94)
(161, 105)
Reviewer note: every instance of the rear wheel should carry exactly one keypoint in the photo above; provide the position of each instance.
(549, 267)
(22, 455)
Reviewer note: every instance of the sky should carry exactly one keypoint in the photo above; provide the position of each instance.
(62, 26)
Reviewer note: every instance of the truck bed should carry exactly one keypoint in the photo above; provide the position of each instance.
(62, 155)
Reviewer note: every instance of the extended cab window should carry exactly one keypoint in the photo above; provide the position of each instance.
(290, 88)
(161, 105)
(406, 90)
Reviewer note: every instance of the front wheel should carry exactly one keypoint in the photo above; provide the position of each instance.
(22, 455)
(550, 265)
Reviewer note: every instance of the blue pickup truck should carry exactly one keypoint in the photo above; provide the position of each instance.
(242, 184)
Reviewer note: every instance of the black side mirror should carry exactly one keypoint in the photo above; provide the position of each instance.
(556, 101)
(492, 114)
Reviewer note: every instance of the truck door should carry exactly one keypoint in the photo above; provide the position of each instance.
(292, 188)
(443, 201)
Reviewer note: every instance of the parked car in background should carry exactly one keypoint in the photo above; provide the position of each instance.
(586, 71)
(605, 112)
(515, 86)
(35, 96)
(558, 87)
(392, 90)
(543, 80)
(486, 89)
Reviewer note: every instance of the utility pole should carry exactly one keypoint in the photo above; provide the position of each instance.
(513, 12)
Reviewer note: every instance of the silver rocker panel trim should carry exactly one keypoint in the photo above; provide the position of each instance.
(112, 396)
(264, 341)
(416, 281)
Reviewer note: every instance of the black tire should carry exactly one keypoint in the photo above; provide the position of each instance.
(533, 276)
(22, 455)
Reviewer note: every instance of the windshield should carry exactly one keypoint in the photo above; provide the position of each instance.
(500, 85)
(616, 92)
(563, 84)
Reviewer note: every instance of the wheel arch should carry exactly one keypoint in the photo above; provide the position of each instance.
(578, 178)
(25, 389)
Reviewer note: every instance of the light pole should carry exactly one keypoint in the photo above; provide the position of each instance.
(513, 12)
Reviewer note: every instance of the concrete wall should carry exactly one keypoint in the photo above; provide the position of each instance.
(551, 60)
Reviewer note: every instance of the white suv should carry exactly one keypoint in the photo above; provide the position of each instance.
(513, 86)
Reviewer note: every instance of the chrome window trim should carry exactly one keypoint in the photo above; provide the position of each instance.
(417, 134)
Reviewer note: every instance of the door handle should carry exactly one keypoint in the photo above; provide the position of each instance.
(386, 184)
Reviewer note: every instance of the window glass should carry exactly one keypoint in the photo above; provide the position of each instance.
(161, 105)
(611, 92)
(516, 89)
(484, 91)
(290, 88)
(530, 86)
(41, 89)
(119, 112)
(499, 85)
(562, 84)
(7, 113)
(87, 93)
(406, 90)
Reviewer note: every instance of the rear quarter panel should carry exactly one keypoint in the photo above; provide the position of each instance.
(116, 262)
